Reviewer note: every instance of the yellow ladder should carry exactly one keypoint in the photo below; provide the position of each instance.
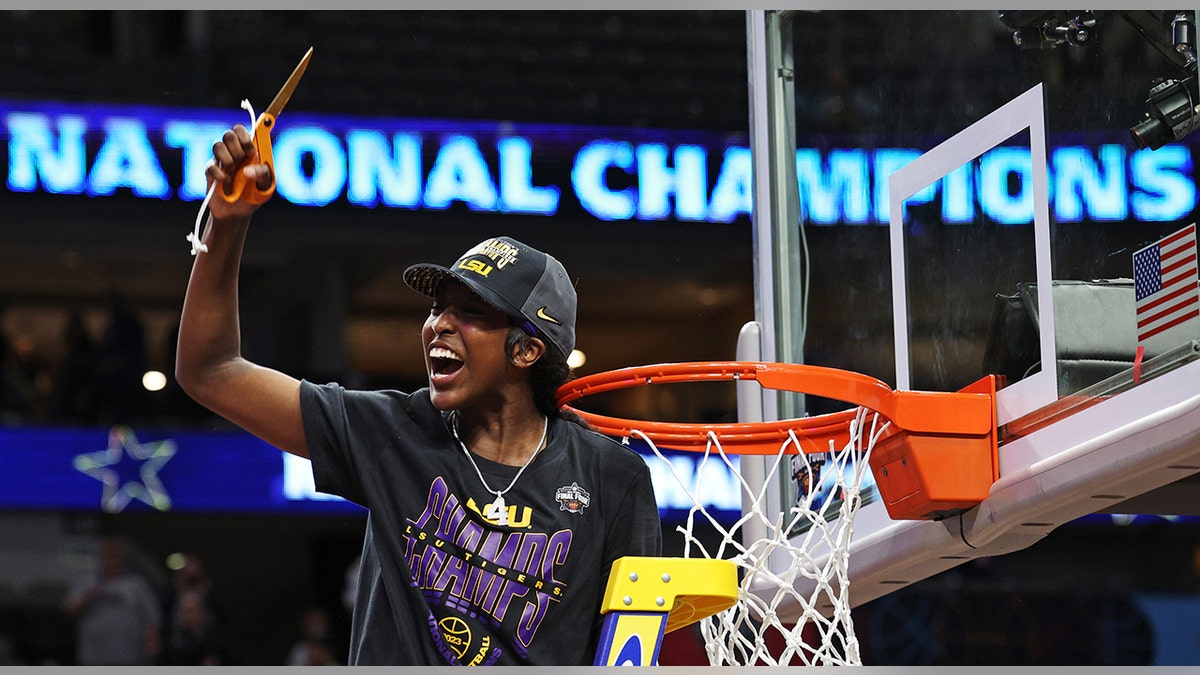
(648, 597)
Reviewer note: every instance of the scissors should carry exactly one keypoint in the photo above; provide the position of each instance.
(262, 141)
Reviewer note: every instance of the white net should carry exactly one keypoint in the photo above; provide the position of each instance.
(797, 610)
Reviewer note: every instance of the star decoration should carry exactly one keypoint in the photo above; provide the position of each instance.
(125, 456)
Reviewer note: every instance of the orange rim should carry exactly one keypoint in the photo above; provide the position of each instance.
(813, 433)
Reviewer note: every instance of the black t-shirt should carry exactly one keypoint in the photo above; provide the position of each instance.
(439, 583)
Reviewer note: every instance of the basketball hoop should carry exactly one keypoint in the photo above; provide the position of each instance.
(932, 454)
(938, 457)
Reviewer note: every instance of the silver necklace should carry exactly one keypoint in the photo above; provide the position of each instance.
(497, 511)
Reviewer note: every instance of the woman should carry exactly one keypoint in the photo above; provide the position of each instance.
(493, 518)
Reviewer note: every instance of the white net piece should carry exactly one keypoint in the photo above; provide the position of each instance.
(801, 614)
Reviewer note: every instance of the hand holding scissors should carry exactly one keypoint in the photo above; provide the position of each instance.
(231, 155)
(243, 186)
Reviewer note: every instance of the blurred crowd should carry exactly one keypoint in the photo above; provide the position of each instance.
(118, 616)
(98, 377)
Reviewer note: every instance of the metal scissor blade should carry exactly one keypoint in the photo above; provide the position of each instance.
(285, 93)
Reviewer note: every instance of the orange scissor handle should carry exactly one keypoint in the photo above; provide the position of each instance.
(243, 187)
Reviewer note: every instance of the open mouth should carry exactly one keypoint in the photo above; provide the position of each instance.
(443, 362)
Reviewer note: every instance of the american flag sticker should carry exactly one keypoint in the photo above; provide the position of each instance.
(1165, 283)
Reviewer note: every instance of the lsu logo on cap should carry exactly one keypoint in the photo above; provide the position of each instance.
(500, 253)
(478, 266)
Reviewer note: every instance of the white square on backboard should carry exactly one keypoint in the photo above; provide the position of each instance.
(1024, 112)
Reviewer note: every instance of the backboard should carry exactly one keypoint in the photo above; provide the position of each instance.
(987, 232)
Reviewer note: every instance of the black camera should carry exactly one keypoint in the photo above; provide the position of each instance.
(1037, 29)
(1172, 114)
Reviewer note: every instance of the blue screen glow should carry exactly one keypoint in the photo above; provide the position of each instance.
(121, 469)
(609, 174)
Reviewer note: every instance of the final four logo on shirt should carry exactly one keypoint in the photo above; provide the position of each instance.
(572, 498)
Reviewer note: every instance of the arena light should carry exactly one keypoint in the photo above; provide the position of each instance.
(576, 359)
(154, 380)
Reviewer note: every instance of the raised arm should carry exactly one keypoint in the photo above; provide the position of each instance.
(209, 364)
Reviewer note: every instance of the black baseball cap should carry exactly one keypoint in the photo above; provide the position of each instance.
(519, 280)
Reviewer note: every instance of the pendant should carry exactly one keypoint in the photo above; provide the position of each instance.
(497, 511)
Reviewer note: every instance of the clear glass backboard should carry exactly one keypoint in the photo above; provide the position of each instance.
(968, 195)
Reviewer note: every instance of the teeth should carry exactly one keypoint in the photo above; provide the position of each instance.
(443, 353)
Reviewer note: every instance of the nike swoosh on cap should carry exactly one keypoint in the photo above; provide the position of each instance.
(541, 314)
